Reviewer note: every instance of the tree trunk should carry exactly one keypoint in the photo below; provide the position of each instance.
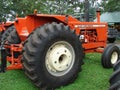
(86, 6)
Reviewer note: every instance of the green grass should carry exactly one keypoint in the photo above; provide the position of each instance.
(92, 77)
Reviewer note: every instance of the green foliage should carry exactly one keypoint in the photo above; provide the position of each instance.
(9, 8)
(112, 5)
(3, 10)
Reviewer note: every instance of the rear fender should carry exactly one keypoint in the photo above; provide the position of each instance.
(25, 26)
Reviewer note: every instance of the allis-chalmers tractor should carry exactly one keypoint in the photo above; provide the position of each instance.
(50, 48)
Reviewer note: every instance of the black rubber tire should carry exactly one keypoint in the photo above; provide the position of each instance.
(7, 33)
(115, 78)
(35, 49)
(106, 56)
(11, 37)
(111, 40)
(115, 86)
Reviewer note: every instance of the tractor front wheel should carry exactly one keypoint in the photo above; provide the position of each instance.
(52, 56)
(110, 56)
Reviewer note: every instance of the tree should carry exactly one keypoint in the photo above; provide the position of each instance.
(9, 8)
(112, 5)
(3, 10)
(86, 10)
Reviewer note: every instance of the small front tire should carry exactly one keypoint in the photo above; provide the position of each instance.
(110, 56)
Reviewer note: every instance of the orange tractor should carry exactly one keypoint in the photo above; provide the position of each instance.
(50, 48)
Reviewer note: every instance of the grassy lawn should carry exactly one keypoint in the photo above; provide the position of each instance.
(92, 77)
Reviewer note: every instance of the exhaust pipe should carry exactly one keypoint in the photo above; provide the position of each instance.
(98, 15)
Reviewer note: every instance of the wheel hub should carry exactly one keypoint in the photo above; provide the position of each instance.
(60, 58)
(114, 57)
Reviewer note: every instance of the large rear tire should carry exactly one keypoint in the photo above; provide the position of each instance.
(110, 56)
(115, 78)
(13, 38)
(10, 36)
(7, 33)
(52, 56)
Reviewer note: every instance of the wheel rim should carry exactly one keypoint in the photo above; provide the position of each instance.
(114, 57)
(60, 58)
